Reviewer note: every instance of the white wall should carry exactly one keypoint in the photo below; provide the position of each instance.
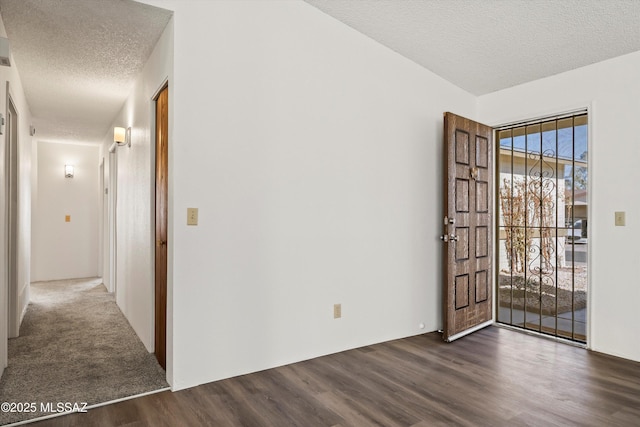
(314, 156)
(10, 74)
(134, 284)
(65, 250)
(612, 91)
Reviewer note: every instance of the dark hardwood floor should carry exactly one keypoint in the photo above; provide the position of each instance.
(494, 377)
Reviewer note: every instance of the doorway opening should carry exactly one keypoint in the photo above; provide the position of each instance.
(112, 198)
(543, 243)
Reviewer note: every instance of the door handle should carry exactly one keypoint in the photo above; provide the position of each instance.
(160, 242)
(474, 173)
(449, 238)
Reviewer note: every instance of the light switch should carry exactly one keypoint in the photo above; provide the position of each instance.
(337, 311)
(67, 218)
(192, 216)
(620, 219)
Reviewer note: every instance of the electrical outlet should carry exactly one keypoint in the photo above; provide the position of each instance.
(192, 216)
(337, 311)
(620, 219)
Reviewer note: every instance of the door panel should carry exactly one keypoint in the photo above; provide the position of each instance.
(468, 227)
(162, 153)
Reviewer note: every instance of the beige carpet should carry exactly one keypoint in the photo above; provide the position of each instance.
(75, 346)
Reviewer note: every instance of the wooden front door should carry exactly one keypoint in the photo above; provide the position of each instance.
(468, 226)
(162, 153)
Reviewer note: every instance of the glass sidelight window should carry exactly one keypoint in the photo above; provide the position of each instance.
(543, 233)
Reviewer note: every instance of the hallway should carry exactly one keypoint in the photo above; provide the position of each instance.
(75, 346)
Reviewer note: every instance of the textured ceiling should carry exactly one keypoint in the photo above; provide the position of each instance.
(485, 46)
(78, 60)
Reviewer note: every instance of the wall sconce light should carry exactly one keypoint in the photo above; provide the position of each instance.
(68, 171)
(118, 135)
(122, 136)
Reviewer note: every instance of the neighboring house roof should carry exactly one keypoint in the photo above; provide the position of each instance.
(579, 196)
